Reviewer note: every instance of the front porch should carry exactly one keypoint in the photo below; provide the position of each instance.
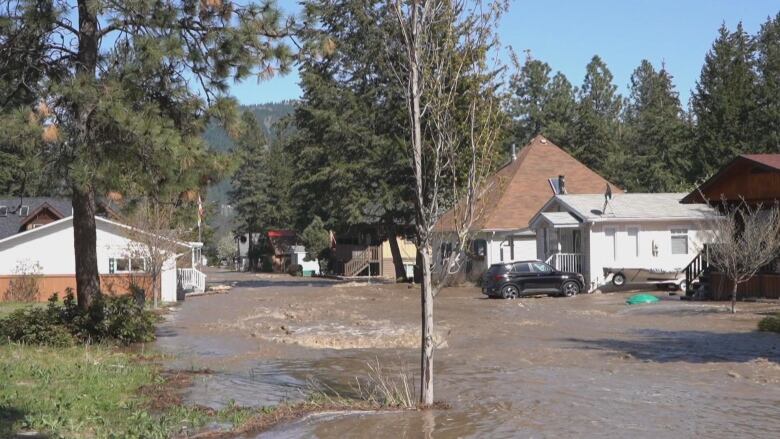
(562, 248)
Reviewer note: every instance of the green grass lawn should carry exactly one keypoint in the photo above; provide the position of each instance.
(92, 391)
(9, 307)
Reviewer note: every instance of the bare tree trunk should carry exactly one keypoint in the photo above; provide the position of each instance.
(734, 298)
(85, 246)
(250, 253)
(426, 287)
(426, 360)
(83, 199)
(395, 251)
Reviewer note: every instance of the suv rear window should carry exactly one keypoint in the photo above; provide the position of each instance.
(498, 269)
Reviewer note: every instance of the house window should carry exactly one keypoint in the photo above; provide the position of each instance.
(24, 210)
(611, 242)
(679, 241)
(633, 241)
(479, 248)
(126, 265)
(137, 264)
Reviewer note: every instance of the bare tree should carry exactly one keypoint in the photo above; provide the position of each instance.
(440, 56)
(745, 239)
(154, 238)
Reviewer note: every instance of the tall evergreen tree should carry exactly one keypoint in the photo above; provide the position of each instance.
(724, 103)
(768, 99)
(249, 196)
(130, 85)
(347, 124)
(655, 135)
(540, 104)
(595, 138)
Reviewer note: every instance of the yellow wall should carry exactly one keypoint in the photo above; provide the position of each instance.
(407, 248)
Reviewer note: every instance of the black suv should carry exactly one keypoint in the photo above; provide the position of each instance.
(514, 279)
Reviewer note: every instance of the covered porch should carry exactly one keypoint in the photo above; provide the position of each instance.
(560, 240)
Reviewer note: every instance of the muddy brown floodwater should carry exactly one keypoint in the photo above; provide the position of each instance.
(588, 366)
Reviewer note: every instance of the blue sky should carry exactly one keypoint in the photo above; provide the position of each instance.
(567, 33)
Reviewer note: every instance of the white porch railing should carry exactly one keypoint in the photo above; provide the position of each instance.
(571, 262)
(191, 278)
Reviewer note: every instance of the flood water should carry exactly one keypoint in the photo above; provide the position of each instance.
(588, 366)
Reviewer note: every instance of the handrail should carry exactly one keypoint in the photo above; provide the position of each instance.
(694, 268)
(192, 278)
(571, 262)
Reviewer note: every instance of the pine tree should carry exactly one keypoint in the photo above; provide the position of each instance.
(541, 105)
(351, 166)
(724, 103)
(655, 133)
(560, 110)
(131, 85)
(595, 139)
(248, 195)
(768, 94)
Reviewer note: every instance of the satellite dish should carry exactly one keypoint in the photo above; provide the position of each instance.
(607, 197)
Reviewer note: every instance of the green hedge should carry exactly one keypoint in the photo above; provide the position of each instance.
(770, 324)
(109, 319)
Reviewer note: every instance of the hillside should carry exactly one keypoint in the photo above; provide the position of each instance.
(267, 114)
(217, 139)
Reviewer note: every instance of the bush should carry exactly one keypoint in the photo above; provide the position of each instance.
(23, 287)
(38, 326)
(770, 324)
(295, 270)
(110, 319)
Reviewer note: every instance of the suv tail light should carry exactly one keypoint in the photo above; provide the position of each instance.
(498, 277)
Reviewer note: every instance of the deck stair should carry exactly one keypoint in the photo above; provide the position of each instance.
(695, 269)
(361, 260)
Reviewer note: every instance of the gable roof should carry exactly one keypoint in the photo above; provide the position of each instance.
(518, 190)
(736, 169)
(589, 207)
(12, 223)
(99, 221)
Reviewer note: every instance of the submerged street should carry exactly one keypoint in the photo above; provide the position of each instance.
(588, 366)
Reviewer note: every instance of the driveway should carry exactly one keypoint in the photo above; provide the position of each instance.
(588, 366)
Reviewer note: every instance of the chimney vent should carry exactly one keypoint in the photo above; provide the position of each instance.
(514, 152)
(562, 184)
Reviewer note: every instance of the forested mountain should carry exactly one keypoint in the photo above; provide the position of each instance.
(266, 114)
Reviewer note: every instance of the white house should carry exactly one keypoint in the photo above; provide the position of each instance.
(512, 196)
(587, 233)
(43, 245)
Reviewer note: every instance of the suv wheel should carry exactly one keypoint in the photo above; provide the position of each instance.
(618, 279)
(509, 292)
(570, 288)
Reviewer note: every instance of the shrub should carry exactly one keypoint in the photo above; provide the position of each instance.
(770, 324)
(23, 287)
(295, 270)
(111, 319)
(35, 326)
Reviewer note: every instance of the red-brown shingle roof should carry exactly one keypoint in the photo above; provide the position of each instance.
(519, 189)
